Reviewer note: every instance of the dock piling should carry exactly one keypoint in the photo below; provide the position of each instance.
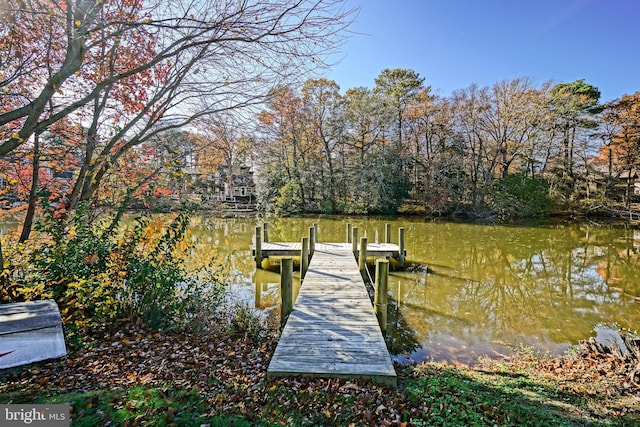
(380, 298)
(349, 233)
(312, 240)
(387, 233)
(354, 239)
(266, 232)
(362, 256)
(286, 289)
(304, 257)
(258, 247)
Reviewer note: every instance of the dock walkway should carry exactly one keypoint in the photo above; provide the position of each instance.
(293, 249)
(333, 330)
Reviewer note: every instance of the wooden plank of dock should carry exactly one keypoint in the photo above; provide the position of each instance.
(293, 249)
(333, 331)
(281, 249)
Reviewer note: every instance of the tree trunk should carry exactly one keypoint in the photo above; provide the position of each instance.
(565, 139)
(3, 279)
(33, 192)
(327, 149)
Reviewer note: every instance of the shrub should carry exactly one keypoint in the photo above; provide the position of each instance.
(288, 201)
(519, 196)
(99, 273)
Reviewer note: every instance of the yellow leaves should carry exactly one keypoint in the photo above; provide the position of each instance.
(15, 135)
(78, 23)
(77, 285)
(35, 292)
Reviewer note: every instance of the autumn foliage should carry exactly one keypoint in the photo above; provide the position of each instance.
(99, 274)
(121, 73)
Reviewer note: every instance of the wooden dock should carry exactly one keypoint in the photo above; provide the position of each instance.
(294, 248)
(332, 330)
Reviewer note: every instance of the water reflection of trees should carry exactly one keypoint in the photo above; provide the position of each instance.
(542, 285)
(399, 336)
(227, 243)
(496, 284)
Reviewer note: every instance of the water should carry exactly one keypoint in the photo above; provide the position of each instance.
(487, 289)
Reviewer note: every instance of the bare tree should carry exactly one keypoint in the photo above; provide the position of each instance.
(191, 59)
(322, 103)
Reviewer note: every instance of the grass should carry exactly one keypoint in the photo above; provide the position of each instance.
(140, 405)
(450, 396)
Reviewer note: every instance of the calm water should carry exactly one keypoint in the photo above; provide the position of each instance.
(488, 287)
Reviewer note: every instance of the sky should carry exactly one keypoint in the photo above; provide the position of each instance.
(454, 43)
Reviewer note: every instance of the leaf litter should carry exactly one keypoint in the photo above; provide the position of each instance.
(228, 374)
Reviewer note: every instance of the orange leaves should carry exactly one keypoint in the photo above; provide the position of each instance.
(30, 42)
(91, 259)
(621, 120)
(266, 118)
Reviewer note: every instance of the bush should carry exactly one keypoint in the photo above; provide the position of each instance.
(99, 274)
(519, 196)
(288, 201)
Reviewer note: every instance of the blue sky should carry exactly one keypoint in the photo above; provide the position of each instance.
(454, 43)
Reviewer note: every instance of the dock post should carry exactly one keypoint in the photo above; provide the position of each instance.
(266, 232)
(354, 239)
(312, 240)
(387, 233)
(349, 233)
(401, 245)
(258, 294)
(304, 257)
(362, 256)
(286, 289)
(258, 247)
(315, 228)
(380, 298)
